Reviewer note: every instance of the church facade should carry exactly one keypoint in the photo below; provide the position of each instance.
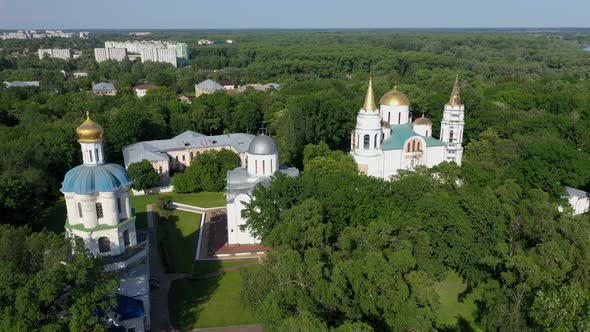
(101, 220)
(262, 162)
(386, 140)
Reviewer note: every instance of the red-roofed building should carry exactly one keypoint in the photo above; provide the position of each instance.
(186, 99)
(141, 90)
(227, 84)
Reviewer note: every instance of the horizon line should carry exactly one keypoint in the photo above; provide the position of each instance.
(307, 29)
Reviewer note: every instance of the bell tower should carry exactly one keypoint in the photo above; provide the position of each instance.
(367, 136)
(452, 124)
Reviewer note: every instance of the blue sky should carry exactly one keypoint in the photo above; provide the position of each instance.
(236, 14)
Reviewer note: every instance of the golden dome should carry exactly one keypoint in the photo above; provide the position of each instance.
(424, 121)
(394, 98)
(89, 131)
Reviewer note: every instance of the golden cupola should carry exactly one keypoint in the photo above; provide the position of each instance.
(89, 131)
(423, 121)
(395, 98)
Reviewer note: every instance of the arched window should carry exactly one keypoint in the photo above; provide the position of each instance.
(80, 210)
(90, 155)
(255, 166)
(118, 205)
(427, 133)
(160, 170)
(271, 170)
(104, 244)
(451, 136)
(408, 148)
(192, 155)
(263, 168)
(418, 147)
(99, 213)
(388, 117)
(96, 154)
(399, 118)
(366, 140)
(126, 238)
(376, 138)
(413, 145)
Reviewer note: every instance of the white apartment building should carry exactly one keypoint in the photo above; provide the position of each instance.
(60, 53)
(103, 54)
(159, 55)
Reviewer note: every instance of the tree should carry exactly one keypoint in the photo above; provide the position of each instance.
(207, 172)
(143, 175)
(44, 285)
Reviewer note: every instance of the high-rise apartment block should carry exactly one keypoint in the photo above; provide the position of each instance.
(159, 55)
(60, 53)
(103, 54)
(182, 52)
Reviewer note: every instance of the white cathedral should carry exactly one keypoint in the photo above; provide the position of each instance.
(386, 140)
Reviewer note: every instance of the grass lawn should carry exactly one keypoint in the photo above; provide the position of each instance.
(202, 199)
(451, 311)
(178, 237)
(212, 302)
(208, 267)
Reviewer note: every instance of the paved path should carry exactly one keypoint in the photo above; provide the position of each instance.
(243, 328)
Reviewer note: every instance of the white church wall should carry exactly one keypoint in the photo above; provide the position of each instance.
(435, 155)
(395, 115)
(235, 220)
(262, 165)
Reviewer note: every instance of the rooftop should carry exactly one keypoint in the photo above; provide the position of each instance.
(401, 133)
(209, 85)
(102, 86)
(156, 150)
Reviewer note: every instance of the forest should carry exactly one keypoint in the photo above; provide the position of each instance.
(350, 252)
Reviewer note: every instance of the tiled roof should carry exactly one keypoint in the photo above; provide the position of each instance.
(401, 133)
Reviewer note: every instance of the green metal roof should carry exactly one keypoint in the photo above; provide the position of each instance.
(401, 133)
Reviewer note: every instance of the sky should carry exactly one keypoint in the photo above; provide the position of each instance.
(280, 14)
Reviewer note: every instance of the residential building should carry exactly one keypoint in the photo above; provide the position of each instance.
(84, 34)
(259, 87)
(158, 55)
(103, 54)
(386, 140)
(227, 84)
(141, 90)
(21, 84)
(207, 87)
(182, 53)
(177, 152)
(104, 89)
(186, 99)
(59, 53)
